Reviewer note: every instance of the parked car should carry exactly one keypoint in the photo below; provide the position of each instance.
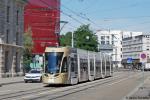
(147, 67)
(34, 75)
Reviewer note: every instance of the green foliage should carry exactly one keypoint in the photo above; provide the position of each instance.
(28, 43)
(84, 38)
(65, 40)
(28, 46)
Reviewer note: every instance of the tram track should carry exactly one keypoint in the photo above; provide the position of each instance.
(22, 93)
(30, 92)
(52, 95)
(55, 92)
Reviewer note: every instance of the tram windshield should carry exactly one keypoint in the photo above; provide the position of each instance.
(53, 61)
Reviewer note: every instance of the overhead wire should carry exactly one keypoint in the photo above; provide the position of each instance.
(85, 17)
(133, 17)
(63, 13)
(70, 16)
(80, 15)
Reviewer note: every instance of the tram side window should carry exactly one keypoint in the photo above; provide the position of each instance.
(92, 65)
(72, 65)
(97, 66)
(103, 64)
(107, 64)
(84, 64)
(81, 66)
(64, 65)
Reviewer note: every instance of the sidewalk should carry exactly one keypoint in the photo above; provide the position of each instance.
(11, 80)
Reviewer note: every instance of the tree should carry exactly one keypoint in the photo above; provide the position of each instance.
(85, 38)
(28, 46)
(65, 40)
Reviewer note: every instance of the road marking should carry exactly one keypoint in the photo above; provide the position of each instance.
(122, 80)
(134, 90)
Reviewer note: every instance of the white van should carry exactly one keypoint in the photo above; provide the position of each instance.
(147, 67)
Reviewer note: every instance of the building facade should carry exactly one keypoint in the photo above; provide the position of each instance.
(110, 43)
(11, 37)
(133, 46)
(43, 18)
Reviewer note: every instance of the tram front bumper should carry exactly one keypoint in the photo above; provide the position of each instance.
(54, 79)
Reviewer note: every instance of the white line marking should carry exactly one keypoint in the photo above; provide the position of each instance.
(122, 80)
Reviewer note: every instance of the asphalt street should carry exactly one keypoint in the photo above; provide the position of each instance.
(118, 87)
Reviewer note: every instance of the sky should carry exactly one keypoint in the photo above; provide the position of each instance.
(125, 15)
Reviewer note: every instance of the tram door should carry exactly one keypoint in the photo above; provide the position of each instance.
(103, 71)
(91, 77)
(97, 67)
(107, 65)
(111, 67)
(73, 70)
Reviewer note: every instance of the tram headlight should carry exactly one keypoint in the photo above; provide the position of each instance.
(56, 75)
(46, 75)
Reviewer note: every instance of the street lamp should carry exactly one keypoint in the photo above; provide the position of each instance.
(87, 37)
(72, 40)
(64, 23)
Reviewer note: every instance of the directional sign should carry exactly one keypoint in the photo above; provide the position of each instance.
(143, 57)
(129, 60)
(37, 57)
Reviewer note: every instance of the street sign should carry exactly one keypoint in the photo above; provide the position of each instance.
(37, 58)
(143, 57)
(129, 60)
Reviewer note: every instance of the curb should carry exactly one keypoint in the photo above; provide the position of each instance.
(10, 83)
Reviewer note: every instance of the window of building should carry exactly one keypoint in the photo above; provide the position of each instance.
(8, 13)
(112, 42)
(120, 42)
(17, 17)
(102, 42)
(17, 38)
(102, 37)
(17, 69)
(107, 42)
(107, 37)
(7, 36)
(6, 62)
(140, 47)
